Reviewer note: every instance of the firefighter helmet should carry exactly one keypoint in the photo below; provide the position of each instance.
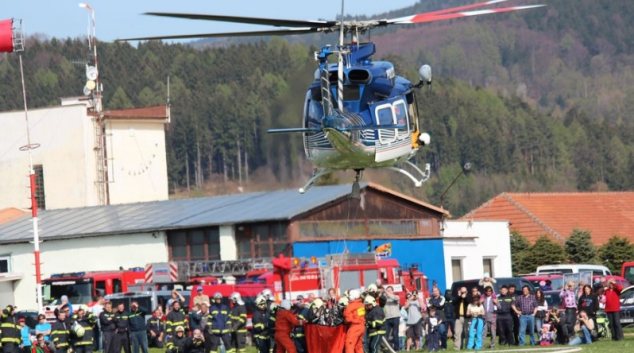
(260, 302)
(373, 288)
(354, 294)
(217, 295)
(286, 304)
(273, 308)
(343, 302)
(78, 330)
(318, 303)
(267, 293)
(180, 329)
(236, 298)
(369, 300)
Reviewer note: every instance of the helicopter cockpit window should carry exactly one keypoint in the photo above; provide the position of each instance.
(400, 116)
(384, 116)
(314, 113)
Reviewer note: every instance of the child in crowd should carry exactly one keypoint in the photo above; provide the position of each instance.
(487, 281)
(431, 327)
(476, 312)
(546, 337)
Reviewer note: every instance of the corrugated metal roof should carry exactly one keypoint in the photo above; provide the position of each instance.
(171, 214)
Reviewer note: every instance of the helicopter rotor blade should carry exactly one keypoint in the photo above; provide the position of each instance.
(370, 127)
(421, 18)
(276, 32)
(460, 8)
(289, 130)
(250, 20)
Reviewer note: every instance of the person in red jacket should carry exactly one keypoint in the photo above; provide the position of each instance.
(613, 309)
(354, 316)
(285, 322)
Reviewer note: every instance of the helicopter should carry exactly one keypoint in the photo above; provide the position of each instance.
(374, 123)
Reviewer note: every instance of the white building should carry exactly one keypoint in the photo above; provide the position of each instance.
(83, 160)
(473, 248)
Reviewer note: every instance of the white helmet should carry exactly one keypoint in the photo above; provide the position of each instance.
(286, 304)
(354, 294)
(78, 330)
(273, 307)
(369, 300)
(236, 298)
(373, 288)
(267, 293)
(344, 301)
(260, 301)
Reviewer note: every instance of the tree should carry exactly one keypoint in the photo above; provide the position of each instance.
(543, 252)
(615, 252)
(579, 247)
(519, 247)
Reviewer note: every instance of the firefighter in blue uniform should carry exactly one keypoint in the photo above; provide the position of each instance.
(87, 320)
(374, 323)
(219, 324)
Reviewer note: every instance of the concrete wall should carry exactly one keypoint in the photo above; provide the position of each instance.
(138, 169)
(471, 242)
(6, 292)
(428, 253)
(84, 254)
(66, 153)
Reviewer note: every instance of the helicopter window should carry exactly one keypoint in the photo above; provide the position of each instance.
(400, 115)
(384, 116)
(315, 112)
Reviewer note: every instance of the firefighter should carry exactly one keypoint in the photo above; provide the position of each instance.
(284, 325)
(377, 293)
(341, 306)
(86, 320)
(10, 331)
(106, 321)
(177, 342)
(354, 316)
(260, 326)
(60, 333)
(271, 308)
(122, 326)
(196, 343)
(219, 324)
(375, 323)
(316, 312)
(299, 336)
(238, 324)
(175, 318)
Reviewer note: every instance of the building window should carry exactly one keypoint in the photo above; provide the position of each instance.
(5, 264)
(39, 187)
(456, 269)
(194, 244)
(487, 266)
(262, 240)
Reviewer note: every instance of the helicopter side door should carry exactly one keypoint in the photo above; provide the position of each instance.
(391, 143)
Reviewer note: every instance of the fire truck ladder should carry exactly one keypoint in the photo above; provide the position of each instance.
(220, 268)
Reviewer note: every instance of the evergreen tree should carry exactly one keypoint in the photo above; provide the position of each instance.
(519, 247)
(579, 247)
(615, 252)
(543, 252)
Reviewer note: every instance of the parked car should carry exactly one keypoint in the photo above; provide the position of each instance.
(519, 282)
(627, 306)
(597, 270)
(556, 280)
(30, 317)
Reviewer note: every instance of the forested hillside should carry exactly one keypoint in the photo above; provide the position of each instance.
(224, 99)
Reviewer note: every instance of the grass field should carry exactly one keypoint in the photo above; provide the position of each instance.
(601, 346)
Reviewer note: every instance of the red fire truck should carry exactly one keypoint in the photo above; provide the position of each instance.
(83, 287)
(291, 277)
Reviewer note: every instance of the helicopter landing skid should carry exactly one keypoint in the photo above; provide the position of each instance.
(316, 175)
(424, 175)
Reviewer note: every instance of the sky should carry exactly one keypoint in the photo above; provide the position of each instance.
(122, 18)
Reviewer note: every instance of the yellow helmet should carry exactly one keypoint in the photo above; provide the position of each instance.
(180, 329)
(344, 301)
(318, 303)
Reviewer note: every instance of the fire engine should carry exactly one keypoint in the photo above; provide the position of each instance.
(290, 277)
(83, 287)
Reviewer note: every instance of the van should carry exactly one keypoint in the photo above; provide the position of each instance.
(519, 282)
(597, 270)
(148, 300)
